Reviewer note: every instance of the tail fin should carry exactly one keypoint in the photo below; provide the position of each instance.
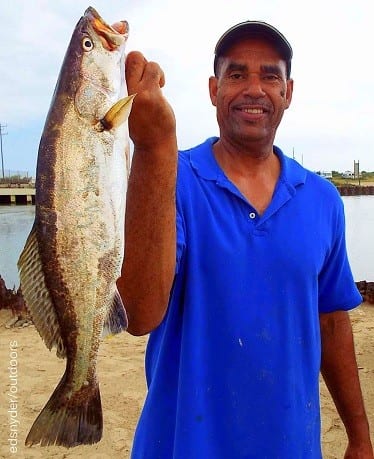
(69, 422)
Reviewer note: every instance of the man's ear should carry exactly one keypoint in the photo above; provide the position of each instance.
(289, 92)
(213, 85)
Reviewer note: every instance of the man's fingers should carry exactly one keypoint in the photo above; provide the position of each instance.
(153, 75)
(161, 81)
(151, 119)
(134, 68)
(141, 72)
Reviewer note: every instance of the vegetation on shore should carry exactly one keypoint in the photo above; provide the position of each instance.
(366, 178)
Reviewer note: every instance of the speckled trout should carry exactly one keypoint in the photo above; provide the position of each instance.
(73, 255)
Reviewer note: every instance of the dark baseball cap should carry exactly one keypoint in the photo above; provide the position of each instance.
(254, 29)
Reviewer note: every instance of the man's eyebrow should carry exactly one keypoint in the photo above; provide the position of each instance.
(275, 69)
(234, 66)
(265, 68)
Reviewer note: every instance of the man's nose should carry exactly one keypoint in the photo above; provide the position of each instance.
(253, 86)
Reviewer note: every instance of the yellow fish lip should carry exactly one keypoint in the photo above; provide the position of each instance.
(112, 37)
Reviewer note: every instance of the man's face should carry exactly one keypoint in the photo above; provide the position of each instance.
(251, 91)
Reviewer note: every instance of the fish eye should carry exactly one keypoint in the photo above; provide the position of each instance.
(87, 44)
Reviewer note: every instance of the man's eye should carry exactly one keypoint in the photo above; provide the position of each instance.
(236, 76)
(270, 77)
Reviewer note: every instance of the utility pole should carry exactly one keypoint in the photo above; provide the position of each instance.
(2, 126)
(356, 171)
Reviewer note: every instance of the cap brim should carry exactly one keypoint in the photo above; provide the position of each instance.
(257, 29)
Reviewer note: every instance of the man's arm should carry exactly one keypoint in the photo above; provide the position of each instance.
(340, 372)
(150, 228)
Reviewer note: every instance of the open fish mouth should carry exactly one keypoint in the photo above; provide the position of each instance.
(112, 37)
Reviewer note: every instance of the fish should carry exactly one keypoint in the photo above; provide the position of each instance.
(73, 255)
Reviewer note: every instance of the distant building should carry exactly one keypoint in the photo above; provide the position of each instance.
(326, 174)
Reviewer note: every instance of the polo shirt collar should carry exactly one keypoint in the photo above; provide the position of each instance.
(204, 163)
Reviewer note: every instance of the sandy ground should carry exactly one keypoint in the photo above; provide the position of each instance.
(122, 384)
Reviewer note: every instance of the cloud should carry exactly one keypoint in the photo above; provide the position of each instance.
(330, 119)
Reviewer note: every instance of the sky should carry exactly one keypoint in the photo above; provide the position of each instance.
(329, 125)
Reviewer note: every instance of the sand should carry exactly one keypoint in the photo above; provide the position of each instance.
(122, 384)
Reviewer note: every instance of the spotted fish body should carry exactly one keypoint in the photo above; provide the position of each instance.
(73, 255)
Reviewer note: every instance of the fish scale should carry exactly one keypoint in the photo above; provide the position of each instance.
(73, 255)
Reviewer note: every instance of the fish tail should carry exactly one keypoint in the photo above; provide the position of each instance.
(64, 422)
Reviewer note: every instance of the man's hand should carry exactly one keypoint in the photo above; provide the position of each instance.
(152, 120)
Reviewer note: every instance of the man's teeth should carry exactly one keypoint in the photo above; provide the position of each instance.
(255, 111)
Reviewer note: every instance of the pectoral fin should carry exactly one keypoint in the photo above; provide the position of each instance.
(116, 115)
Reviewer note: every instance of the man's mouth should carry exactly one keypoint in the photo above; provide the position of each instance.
(253, 111)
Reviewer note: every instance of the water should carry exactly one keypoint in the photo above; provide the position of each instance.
(359, 215)
(15, 225)
(16, 222)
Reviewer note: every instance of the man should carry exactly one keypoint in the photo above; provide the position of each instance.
(238, 269)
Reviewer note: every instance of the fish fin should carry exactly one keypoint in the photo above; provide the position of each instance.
(116, 115)
(36, 295)
(116, 320)
(68, 422)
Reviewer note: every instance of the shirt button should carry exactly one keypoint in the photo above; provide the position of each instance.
(252, 215)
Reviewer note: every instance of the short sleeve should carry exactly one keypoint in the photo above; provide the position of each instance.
(337, 289)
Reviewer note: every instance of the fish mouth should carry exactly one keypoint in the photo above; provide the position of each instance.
(112, 37)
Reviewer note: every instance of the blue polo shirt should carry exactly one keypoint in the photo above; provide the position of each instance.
(233, 369)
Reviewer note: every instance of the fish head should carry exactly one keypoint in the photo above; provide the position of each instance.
(92, 76)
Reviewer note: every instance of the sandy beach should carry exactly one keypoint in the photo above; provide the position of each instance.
(122, 384)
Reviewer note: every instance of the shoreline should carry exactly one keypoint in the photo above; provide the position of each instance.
(17, 195)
